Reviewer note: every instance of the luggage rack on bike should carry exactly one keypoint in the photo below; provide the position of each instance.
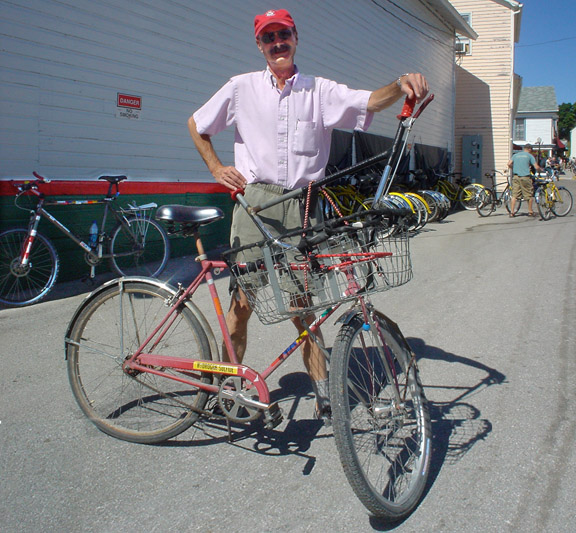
(323, 268)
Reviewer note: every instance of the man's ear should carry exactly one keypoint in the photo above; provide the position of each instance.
(259, 45)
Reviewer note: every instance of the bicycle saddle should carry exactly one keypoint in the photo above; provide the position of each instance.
(189, 214)
(113, 179)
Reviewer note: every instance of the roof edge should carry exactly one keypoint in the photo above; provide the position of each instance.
(449, 13)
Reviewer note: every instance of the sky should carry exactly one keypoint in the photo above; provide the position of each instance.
(546, 52)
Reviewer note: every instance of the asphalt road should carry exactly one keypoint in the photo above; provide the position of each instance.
(491, 314)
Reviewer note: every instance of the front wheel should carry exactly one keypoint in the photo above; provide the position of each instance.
(133, 405)
(562, 201)
(139, 247)
(470, 196)
(20, 284)
(544, 203)
(380, 416)
(508, 202)
(486, 203)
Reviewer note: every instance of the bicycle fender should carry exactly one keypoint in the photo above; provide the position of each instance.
(214, 347)
(346, 317)
(401, 344)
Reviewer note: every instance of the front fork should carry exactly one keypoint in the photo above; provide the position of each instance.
(27, 248)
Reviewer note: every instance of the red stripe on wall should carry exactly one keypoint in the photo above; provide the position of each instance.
(78, 188)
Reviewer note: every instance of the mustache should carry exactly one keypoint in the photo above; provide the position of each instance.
(281, 48)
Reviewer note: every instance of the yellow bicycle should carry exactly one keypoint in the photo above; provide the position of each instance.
(551, 199)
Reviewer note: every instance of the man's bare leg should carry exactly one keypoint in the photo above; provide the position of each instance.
(237, 323)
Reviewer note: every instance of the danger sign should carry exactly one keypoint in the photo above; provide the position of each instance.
(129, 101)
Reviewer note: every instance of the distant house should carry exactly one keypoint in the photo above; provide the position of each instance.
(536, 120)
(487, 89)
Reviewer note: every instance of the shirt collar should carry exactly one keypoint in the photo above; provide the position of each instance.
(292, 81)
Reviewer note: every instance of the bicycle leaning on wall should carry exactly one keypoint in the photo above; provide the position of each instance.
(29, 263)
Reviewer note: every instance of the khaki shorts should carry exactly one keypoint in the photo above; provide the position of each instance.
(522, 187)
(279, 219)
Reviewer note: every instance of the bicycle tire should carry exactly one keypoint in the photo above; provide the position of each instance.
(543, 203)
(563, 201)
(433, 205)
(487, 203)
(148, 256)
(423, 208)
(25, 286)
(106, 329)
(403, 202)
(507, 200)
(384, 447)
(469, 196)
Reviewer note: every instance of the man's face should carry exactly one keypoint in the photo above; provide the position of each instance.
(280, 52)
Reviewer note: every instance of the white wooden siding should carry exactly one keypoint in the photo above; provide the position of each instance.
(63, 63)
(484, 82)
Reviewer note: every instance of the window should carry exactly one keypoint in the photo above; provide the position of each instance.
(463, 46)
(520, 129)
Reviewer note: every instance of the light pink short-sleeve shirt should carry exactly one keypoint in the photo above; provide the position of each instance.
(283, 137)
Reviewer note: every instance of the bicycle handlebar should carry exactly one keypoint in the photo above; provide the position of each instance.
(328, 228)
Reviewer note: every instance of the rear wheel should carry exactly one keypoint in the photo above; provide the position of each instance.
(140, 247)
(22, 285)
(380, 416)
(133, 405)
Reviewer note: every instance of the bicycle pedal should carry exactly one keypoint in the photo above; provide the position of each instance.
(273, 416)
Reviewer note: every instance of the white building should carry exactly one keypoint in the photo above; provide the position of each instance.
(536, 120)
(106, 86)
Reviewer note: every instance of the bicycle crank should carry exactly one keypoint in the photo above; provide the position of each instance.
(239, 403)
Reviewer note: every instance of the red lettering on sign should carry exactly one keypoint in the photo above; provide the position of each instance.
(128, 100)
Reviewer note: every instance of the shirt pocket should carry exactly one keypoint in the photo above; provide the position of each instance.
(305, 139)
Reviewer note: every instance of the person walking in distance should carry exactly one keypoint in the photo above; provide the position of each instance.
(521, 179)
(283, 122)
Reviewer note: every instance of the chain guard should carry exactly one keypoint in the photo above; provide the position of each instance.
(233, 409)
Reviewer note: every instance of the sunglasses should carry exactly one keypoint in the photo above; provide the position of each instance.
(270, 37)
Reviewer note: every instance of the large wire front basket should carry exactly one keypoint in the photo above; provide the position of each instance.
(282, 282)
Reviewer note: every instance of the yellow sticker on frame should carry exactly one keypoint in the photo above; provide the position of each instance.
(205, 366)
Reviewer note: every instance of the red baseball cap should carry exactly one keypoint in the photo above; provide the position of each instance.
(274, 16)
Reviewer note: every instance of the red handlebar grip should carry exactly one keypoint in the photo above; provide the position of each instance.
(423, 106)
(408, 108)
(235, 193)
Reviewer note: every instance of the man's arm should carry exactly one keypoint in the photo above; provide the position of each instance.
(409, 84)
(227, 176)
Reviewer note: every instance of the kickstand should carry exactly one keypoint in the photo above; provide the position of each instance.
(89, 280)
(230, 436)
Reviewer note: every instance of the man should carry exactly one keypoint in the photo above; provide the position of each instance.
(283, 121)
(521, 180)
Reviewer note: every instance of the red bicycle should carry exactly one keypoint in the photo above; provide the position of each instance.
(143, 361)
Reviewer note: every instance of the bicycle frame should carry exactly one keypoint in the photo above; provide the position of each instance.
(145, 360)
(95, 254)
(498, 197)
(189, 369)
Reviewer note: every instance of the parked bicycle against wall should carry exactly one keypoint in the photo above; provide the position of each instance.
(458, 189)
(29, 262)
(490, 198)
